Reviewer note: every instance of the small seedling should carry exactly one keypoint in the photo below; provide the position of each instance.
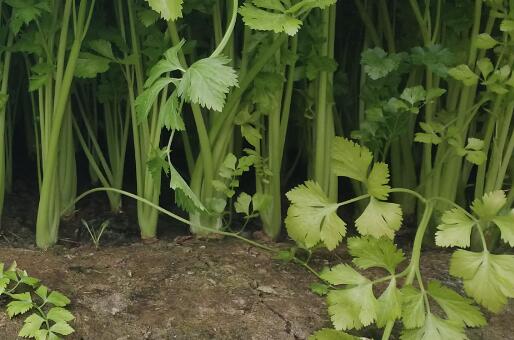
(96, 234)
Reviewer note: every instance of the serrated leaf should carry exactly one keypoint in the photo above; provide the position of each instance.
(380, 219)
(485, 41)
(58, 314)
(312, 217)
(378, 64)
(377, 182)
(30, 326)
(464, 74)
(242, 204)
(343, 274)
(389, 305)
(413, 307)
(489, 205)
(352, 308)
(18, 307)
(350, 159)
(331, 334)
(207, 82)
(456, 307)
(488, 278)
(62, 328)
(507, 25)
(414, 95)
(506, 226)
(58, 299)
(371, 252)
(168, 9)
(435, 329)
(455, 229)
(261, 20)
(170, 114)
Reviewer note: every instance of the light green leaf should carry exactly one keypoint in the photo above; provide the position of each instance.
(168, 9)
(506, 226)
(350, 159)
(414, 95)
(456, 307)
(352, 308)
(380, 219)
(18, 307)
(343, 274)
(30, 326)
(42, 292)
(58, 314)
(489, 205)
(434, 93)
(242, 204)
(378, 180)
(389, 305)
(270, 4)
(170, 114)
(331, 334)
(413, 307)
(455, 229)
(312, 217)
(485, 41)
(58, 299)
(485, 66)
(436, 329)
(62, 328)
(371, 252)
(42, 334)
(488, 278)
(507, 25)
(207, 82)
(464, 74)
(261, 20)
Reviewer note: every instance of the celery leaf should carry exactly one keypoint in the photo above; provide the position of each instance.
(369, 252)
(455, 229)
(488, 278)
(350, 159)
(312, 217)
(380, 219)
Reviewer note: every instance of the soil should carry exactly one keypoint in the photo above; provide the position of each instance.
(181, 287)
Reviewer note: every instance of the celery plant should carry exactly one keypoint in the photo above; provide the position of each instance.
(54, 62)
(313, 222)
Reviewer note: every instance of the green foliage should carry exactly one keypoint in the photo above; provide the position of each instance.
(168, 9)
(49, 319)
